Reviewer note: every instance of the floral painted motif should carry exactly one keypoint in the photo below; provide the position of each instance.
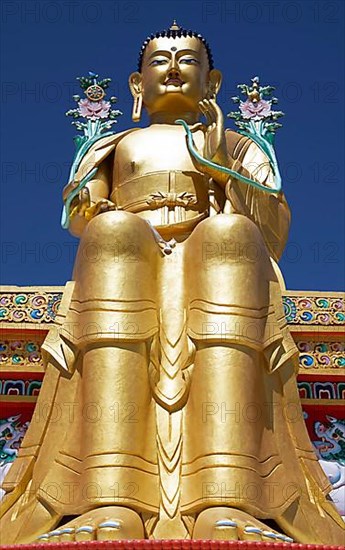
(321, 355)
(255, 110)
(20, 353)
(29, 307)
(255, 117)
(94, 110)
(314, 310)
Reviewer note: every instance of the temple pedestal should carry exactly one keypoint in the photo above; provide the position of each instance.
(172, 545)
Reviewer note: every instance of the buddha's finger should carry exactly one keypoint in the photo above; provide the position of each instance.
(99, 207)
(215, 106)
(198, 126)
(104, 206)
(108, 207)
(211, 110)
(204, 109)
(215, 111)
(219, 120)
(84, 199)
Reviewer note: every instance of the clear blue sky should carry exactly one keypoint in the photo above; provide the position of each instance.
(296, 45)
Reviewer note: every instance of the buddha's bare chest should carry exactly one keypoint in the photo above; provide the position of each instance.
(152, 150)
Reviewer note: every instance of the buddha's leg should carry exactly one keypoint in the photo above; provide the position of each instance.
(236, 463)
(309, 518)
(118, 433)
(228, 285)
(239, 450)
(101, 428)
(231, 457)
(113, 315)
(108, 328)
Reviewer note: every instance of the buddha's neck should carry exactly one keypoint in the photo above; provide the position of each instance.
(169, 118)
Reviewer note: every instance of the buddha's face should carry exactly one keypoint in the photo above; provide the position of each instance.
(175, 75)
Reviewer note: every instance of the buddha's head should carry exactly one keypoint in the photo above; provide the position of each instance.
(175, 72)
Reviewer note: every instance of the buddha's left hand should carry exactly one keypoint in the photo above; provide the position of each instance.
(103, 205)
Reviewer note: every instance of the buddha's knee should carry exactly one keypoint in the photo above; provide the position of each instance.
(119, 233)
(116, 223)
(233, 236)
(234, 226)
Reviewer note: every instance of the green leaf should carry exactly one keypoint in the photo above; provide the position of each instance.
(79, 140)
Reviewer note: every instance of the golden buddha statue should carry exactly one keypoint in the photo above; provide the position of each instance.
(169, 407)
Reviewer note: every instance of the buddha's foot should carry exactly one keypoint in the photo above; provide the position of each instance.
(225, 523)
(106, 523)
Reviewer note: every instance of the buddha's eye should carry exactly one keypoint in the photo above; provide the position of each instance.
(156, 62)
(189, 61)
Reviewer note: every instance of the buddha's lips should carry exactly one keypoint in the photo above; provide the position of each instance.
(174, 81)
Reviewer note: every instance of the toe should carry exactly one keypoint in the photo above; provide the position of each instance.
(54, 536)
(109, 530)
(85, 533)
(252, 533)
(43, 539)
(269, 536)
(272, 536)
(226, 529)
(67, 534)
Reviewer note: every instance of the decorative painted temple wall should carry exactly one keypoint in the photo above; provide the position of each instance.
(316, 321)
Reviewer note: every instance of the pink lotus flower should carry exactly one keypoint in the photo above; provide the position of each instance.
(94, 109)
(256, 111)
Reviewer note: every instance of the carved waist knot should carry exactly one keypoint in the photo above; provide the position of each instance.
(171, 200)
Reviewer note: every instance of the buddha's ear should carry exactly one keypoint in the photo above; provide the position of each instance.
(214, 83)
(135, 85)
(134, 81)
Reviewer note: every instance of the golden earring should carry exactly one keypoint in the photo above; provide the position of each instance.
(137, 106)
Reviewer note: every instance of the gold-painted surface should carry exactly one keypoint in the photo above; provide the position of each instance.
(174, 376)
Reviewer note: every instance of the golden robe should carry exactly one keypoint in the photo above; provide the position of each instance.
(171, 380)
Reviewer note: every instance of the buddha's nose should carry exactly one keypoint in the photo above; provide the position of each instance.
(173, 72)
